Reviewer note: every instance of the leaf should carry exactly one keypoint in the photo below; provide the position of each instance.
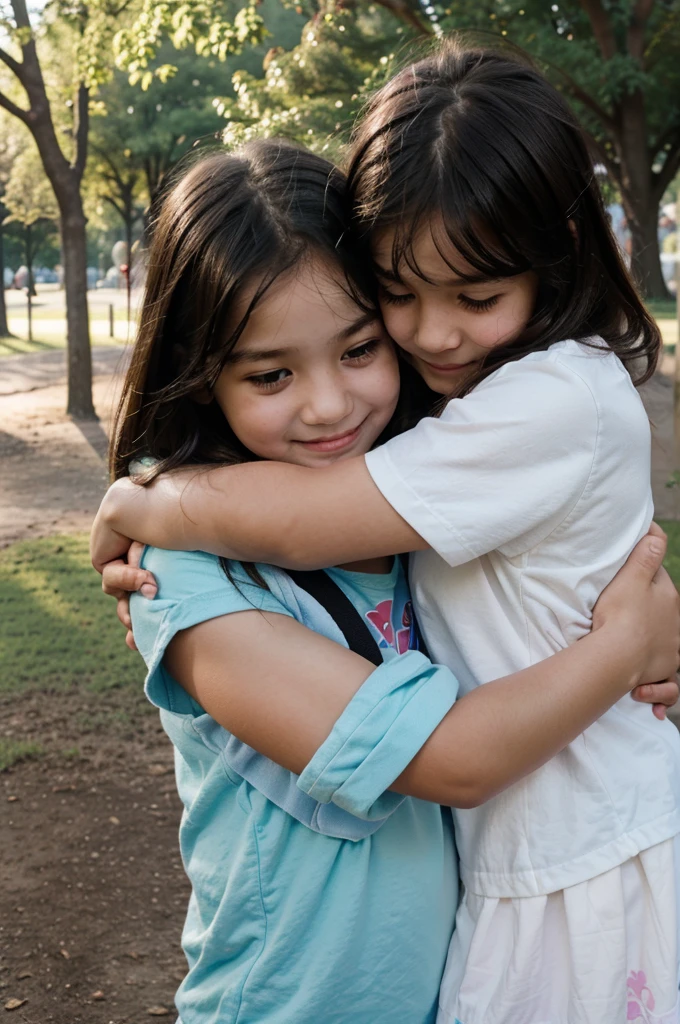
(158, 1011)
(634, 1011)
(14, 1004)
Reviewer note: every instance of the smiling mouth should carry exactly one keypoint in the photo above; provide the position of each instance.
(450, 368)
(335, 443)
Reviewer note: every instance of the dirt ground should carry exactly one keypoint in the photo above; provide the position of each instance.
(92, 892)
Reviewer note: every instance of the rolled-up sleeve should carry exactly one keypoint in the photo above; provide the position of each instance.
(378, 735)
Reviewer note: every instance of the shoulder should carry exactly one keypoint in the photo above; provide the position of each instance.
(557, 375)
(538, 398)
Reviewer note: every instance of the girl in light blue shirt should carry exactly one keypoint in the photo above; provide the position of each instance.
(323, 887)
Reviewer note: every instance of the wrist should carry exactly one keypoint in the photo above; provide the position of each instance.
(625, 644)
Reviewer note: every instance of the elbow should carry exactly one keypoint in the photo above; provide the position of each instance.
(465, 794)
(291, 552)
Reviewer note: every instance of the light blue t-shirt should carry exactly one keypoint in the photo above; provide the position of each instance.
(319, 898)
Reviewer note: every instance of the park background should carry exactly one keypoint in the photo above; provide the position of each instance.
(99, 101)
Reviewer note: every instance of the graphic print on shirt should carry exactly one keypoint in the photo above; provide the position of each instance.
(380, 618)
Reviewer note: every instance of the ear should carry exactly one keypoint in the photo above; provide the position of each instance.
(571, 224)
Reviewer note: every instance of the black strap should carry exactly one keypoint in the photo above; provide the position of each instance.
(323, 589)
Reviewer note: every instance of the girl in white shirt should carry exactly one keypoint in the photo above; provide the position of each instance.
(503, 286)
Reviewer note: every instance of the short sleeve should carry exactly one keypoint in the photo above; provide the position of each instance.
(192, 587)
(501, 468)
(378, 734)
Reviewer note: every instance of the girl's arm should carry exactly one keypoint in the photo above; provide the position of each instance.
(259, 676)
(310, 518)
(511, 458)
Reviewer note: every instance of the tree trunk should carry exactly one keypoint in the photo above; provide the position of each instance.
(4, 329)
(74, 249)
(639, 201)
(645, 256)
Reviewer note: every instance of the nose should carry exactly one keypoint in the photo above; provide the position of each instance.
(327, 402)
(437, 331)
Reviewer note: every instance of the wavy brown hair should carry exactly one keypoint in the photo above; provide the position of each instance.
(475, 143)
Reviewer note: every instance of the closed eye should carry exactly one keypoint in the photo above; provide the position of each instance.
(396, 300)
(479, 305)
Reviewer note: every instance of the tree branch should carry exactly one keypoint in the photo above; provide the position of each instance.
(663, 178)
(15, 66)
(585, 98)
(119, 210)
(641, 14)
(81, 128)
(670, 132)
(12, 108)
(601, 26)
(21, 14)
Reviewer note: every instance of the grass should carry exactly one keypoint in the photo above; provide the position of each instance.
(13, 751)
(19, 346)
(57, 629)
(662, 309)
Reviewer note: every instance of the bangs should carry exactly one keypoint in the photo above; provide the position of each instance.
(472, 248)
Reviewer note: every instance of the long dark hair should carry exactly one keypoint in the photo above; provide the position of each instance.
(475, 143)
(230, 219)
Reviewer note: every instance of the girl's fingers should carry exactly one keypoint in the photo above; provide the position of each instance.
(119, 578)
(134, 555)
(123, 610)
(130, 640)
(663, 694)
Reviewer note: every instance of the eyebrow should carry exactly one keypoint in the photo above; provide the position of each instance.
(260, 355)
(390, 275)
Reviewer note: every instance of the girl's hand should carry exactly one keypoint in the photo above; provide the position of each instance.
(121, 578)
(647, 616)
(106, 543)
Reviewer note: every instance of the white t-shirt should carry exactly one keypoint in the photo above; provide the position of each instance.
(531, 492)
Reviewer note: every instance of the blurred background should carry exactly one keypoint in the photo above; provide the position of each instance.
(99, 100)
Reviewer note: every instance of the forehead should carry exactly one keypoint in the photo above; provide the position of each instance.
(310, 298)
(430, 254)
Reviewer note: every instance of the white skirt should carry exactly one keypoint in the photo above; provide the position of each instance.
(601, 952)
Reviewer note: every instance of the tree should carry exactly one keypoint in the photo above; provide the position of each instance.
(31, 205)
(617, 61)
(209, 27)
(8, 153)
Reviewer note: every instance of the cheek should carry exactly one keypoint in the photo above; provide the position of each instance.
(258, 421)
(399, 322)
(380, 388)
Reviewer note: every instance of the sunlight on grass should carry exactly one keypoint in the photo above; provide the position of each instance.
(19, 346)
(57, 628)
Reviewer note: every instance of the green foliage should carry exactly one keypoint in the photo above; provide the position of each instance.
(28, 194)
(209, 27)
(313, 92)
(57, 629)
